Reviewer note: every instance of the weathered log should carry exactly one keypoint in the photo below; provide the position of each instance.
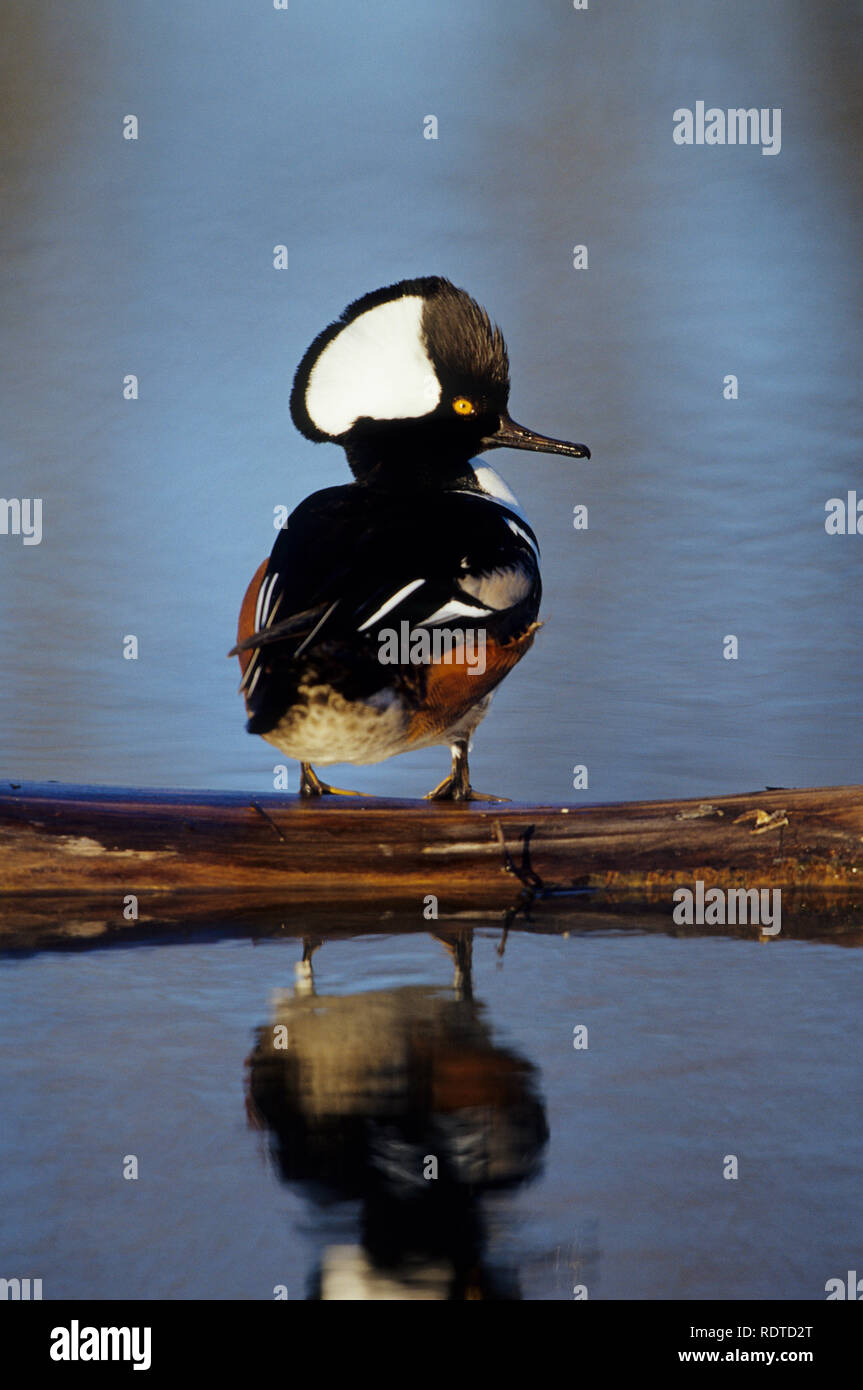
(226, 851)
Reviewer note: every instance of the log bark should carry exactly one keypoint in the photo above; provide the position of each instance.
(227, 863)
(108, 842)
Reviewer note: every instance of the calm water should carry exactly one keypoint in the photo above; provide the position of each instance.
(610, 1157)
(706, 518)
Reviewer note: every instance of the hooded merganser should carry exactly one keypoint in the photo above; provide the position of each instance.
(413, 382)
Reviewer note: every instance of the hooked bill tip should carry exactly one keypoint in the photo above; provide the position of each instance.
(510, 435)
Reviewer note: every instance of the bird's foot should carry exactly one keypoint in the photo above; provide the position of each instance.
(453, 789)
(311, 784)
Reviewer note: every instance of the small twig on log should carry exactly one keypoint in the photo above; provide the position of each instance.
(268, 818)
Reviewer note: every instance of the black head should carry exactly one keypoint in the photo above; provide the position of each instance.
(414, 374)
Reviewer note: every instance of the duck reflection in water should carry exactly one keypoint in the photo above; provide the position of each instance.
(398, 1098)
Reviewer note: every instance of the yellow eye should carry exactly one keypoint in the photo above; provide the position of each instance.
(462, 406)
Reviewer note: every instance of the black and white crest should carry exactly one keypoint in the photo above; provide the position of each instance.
(395, 354)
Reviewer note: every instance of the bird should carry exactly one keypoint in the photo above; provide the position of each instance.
(392, 606)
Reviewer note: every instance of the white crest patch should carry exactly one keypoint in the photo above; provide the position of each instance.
(377, 366)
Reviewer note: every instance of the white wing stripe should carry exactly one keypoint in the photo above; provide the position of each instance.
(518, 532)
(259, 601)
(391, 603)
(265, 593)
(454, 609)
(267, 613)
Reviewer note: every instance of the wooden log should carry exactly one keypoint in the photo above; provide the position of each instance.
(109, 842)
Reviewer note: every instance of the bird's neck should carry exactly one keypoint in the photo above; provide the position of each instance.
(408, 461)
